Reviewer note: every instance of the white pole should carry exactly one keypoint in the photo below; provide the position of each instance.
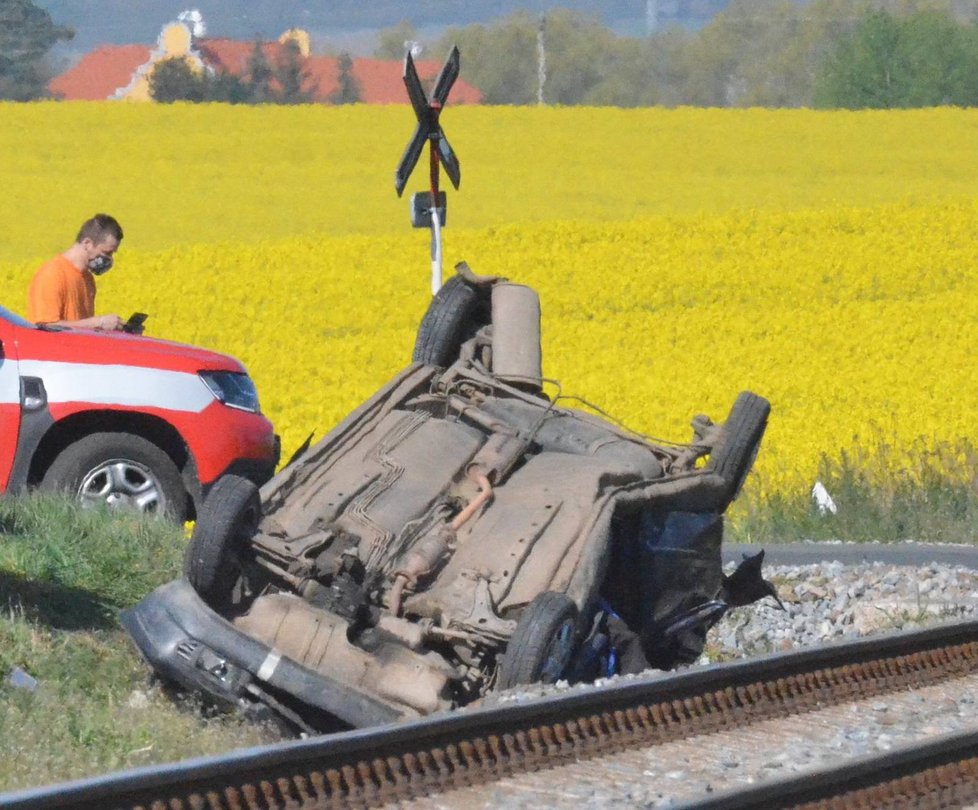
(435, 251)
(541, 58)
(651, 16)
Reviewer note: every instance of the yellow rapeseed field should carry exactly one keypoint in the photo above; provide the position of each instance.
(827, 260)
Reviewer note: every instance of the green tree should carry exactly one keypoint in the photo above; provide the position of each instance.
(758, 53)
(175, 79)
(770, 53)
(347, 89)
(27, 33)
(765, 54)
(285, 82)
(500, 59)
(581, 55)
(391, 41)
(663, 68)
(228, 88)
(942, 57)
(259, 75)
(867, 68)
(628, 78)
(925, 59)
(291, 75)
(585, 63)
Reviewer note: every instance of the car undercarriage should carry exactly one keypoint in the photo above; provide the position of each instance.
(459, 532)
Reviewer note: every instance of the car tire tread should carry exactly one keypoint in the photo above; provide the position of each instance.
(528, 648)
(740, 438)
(445, 323)
(225, 522)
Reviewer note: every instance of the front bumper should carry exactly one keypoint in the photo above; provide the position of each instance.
(188, 643)
(259, 470)
(220, 437)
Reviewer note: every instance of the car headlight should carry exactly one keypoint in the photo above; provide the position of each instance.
(234, 389)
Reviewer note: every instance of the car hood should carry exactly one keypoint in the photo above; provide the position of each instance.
(119, 348)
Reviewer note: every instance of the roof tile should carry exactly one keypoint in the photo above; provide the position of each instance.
(99, 74)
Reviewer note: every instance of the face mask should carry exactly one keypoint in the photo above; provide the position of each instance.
(100, 264)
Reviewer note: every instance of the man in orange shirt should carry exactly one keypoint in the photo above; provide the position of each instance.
(63, 289)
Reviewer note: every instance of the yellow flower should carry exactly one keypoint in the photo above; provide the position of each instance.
(827, 261)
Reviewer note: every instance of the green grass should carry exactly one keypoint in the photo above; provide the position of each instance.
(64, 575)
(883, 493)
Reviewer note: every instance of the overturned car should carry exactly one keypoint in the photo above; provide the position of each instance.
(457, 533)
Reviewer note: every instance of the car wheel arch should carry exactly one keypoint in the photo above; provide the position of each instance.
(152, 428)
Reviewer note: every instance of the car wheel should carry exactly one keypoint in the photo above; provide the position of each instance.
(121, 471)
(740, 438)
(448, 322)
(225, 523)
(541, 647)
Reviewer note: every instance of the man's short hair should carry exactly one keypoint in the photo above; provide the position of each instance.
(99, 228)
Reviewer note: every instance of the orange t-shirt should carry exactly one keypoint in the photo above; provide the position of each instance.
(60, 291)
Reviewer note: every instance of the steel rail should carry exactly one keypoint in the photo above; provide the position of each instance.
(378, 765)
(942, 772)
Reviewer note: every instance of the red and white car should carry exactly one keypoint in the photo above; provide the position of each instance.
(125, 420)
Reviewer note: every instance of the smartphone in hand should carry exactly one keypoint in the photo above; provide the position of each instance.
(134, 325)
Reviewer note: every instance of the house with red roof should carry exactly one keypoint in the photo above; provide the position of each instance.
(117, 72)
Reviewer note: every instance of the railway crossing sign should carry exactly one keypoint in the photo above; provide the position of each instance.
(428, 208)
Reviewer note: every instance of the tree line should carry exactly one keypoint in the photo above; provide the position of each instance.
(769, 53)
(281, 80)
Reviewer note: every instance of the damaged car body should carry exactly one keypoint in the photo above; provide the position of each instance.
(457, 533)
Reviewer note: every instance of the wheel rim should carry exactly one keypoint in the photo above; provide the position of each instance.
(558, 653)
(123, 484)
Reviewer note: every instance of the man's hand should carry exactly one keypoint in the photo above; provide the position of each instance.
(109, 323)
(101, 323)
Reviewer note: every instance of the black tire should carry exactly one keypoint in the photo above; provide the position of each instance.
(448, 322)
(121, 470)
(542, 644)
(226, 521)
(736, 449)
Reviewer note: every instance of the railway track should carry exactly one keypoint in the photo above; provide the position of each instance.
(546, 751)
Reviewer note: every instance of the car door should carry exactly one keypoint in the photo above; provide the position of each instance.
(10, 396)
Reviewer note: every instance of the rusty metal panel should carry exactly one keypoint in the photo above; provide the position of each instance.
(389, 476)
(531, 531)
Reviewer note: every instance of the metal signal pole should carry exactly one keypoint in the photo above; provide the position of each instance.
(428, 209)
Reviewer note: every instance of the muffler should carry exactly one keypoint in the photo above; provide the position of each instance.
(516, 354)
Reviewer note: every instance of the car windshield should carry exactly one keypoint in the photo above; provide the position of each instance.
(16, 319)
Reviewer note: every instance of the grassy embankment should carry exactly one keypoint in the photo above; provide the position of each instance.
(64, 575)
(929, 495)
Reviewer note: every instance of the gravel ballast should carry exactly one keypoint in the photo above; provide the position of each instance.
(829, 601)
(823, 602)
(832, 600)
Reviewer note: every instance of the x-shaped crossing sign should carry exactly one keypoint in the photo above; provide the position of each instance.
(429, 129)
